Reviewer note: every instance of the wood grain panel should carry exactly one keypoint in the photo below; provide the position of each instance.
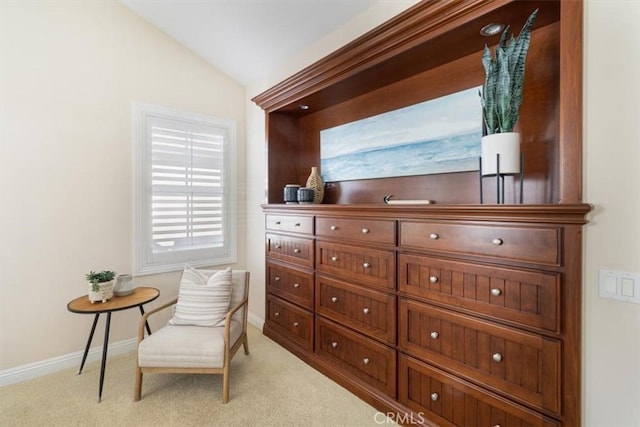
(484, 352)
(291, 321)
(292, 284)
(295, 250)
(450, 401)
(524, 297)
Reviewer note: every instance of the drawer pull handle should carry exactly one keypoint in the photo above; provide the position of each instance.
(434, 335)
(296, 251)
(366, 310)
(278, 246)
(496, 292)
(334, 344)
(334, 227)
(497, 357)
(435, 397)
(277, 313)
(277, 278)
(366, 265)
(433, 279)
(366, 360)
(497, 241)
(296, 285)
(434, 236)
(334, 258)
(334, 299)
(278, 222)
(297, 224)
(295, 324)
(365, 231)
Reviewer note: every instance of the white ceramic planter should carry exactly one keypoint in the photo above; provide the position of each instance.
(508, 146)
(104, 292)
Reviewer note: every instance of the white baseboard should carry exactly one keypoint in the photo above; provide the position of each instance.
(256, 321)
(55, 364)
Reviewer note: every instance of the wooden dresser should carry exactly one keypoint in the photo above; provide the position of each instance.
(454, 313)
(461, 315)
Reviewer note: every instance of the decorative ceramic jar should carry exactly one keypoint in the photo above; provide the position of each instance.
(507, 145)
(124, 285)
(291, 193)
(305, 195)
(315, 182)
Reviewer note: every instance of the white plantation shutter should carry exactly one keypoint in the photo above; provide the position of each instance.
(185, 194)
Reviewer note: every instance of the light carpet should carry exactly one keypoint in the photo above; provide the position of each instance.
(269, 387)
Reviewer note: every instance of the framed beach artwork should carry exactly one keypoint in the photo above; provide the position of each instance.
(441, 135)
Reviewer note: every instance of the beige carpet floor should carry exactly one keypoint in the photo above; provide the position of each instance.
(269, 387)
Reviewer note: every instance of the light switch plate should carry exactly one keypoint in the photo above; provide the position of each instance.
(619, 285)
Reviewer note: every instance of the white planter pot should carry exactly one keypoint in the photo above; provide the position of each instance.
(508, 146)
(104, 292)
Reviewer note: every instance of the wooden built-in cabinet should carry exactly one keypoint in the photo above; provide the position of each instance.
(454, 313)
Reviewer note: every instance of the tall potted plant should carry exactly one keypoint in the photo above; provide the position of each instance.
(501, 97)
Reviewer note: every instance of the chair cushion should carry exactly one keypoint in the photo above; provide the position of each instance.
(202, 300)
(186, 346)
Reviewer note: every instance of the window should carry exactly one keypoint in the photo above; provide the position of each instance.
(184, 191)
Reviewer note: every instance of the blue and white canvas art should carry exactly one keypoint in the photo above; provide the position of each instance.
(437, 136)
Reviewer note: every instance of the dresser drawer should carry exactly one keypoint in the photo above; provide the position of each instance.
(449, 401)
(371, 266)
(289, 223)
(517, 296)
(291, 321)
(520, 364)
(296, 250)
(361, 229)
(368, 311)
(518, 243)
(291, 284)
(370, 361)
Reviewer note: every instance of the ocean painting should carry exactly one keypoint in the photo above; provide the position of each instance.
(437, 136)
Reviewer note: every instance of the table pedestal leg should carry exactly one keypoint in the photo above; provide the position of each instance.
(146, 323)
(86, 349)
(104, 354)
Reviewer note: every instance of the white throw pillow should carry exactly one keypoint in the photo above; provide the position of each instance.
(202, 300)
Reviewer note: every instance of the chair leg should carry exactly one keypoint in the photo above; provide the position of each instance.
(225, 383)
(138, 387)
(245, 344)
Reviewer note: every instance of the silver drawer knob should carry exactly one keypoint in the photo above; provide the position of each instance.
(296, 285)
(296, 251)
(334, 258)
(435, 397)
(333, 227)
(277, 278)
(433, 279)
(365, 231)
(434, 335)
(434, 236)
(296, 324)
(497, 357)
(278, 246)
(366, 310)
(496, 292)
(366, 361)
(297, 224)
(497, 241)
(277, 313)
(334, 299)
(278, 222)
(334, 344)
(366, 265)
(497, 425)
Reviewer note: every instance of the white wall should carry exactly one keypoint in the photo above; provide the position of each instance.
(70, 71)
(611, 379)
(612, 178)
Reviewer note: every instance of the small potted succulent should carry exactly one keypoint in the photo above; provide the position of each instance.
(501, 97)
(100, 285)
